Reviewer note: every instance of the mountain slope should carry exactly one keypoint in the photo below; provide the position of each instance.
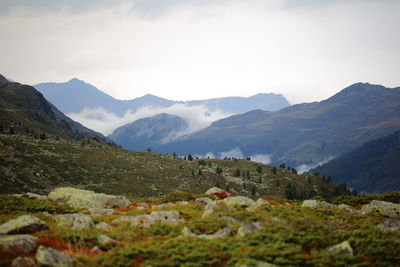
(304, 133)
(25, 110)
(75, 95)
(371, 168)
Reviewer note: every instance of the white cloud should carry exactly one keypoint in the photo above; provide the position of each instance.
(306, 167)
(263, 158)
(104, 121)
(234, 153)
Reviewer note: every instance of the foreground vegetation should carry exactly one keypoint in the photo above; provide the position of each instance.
(290, 235)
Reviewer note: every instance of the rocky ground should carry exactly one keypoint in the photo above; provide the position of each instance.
(74, 227)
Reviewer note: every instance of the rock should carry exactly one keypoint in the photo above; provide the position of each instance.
(67, 220)
(230, 220)
(83, 222)
(25, 224)
(390, 225)
(182, 203)
(23, 262)
(215, 206)
(53, 258)
(385, 208)
(203, 200)
(164, 205)
(123, 219)
(343, 248)
(142, 221)
(347, 208)
(260, 202)
(78, 198)
(105, 227)
(217, 192)
(313, 203)
(17, 244)
(106, 242)
(248, 228)
(238, 201)
(186, 232)
(31, 195)
(171, 217)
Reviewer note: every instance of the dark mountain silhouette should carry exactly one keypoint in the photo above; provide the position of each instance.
(371, 168)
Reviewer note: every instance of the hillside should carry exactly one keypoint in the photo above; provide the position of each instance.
(371, 168)
(35, 165)
(305, 133)
(24, 110)
(74, 95)
(148, 132)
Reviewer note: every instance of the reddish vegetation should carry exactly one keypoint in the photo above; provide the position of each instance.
(221, 195)
(85, 251)
(56, 244)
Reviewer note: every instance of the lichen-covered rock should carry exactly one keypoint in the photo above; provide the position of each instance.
(238, 201)
(203, 200)
(142, 221)
(53, 258)
(25, 224)
(225, 232)
(83, 222)
(164, 205)
(17, 244)
(390, 225)
(248, 228)
(170, 217)
(343, 248)
(213, 207)
(78, 198)
(385, 208)
(103, 226)
(313, 203)
(23, 262)
(217, 192)
(67, 220)
(260, 202)
(106, 242)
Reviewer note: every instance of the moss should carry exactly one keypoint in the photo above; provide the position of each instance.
(14, 204)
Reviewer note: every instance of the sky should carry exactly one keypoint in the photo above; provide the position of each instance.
(306, 50)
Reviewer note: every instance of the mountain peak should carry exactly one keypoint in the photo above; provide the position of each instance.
(3, 79)
(75, 80)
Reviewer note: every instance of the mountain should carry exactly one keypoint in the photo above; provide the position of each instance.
(75, 95)
(3, 79)
(148, 132)
(304, 133)
(24, 110)
(371, 168)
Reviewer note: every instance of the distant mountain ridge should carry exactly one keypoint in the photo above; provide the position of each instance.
(74, 95)
(305, 133)
(373, 167)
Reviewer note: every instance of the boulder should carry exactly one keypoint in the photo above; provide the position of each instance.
(67, 220)
(343, 248)
(203, 200)
(218, 192)
(23, 262)
(213, 207)
(248, 228)
(83, 222)
(106, 242)
(53, 258)
(25, 224)
(260, 202)
(17, 244)
(238, 201)
(142, 221)
(388, 209)
(225, 232)
(170, 217)
(313, 203)
(105, 227)
(78, 198)
(147, 220)
(390, 225)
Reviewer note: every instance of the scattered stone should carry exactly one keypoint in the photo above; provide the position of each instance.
(17, 244)
(164, 205)
(390, 225)
(67, 220)
(313, 203)
(171, 217)
(343, 248)
(214, 207)
(217, 192)
(142, 221)
(260, 202)
(203, 200)
(78, 198)
(238, 201)
(23, 262)
(103, 226)
(385, 208)
(248, 228)
(53, 258)
(83, 222)
(106, 242)
(25, 224)
(186, 232)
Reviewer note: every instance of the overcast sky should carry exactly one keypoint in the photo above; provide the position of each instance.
(196, 49)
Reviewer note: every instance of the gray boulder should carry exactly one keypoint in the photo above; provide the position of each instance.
(83, 222)
(390, 225)
(203, 200)
(260, 202)
(84, 199)
(23, 262)
(248, 228)
(17, 244)
(385, 208)
(343, 248)
(53, 258)
(103, 226)
(225, 232)
(123, 219)
(106, 242)
(25, 224)
(313, 203)
(214, 190)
